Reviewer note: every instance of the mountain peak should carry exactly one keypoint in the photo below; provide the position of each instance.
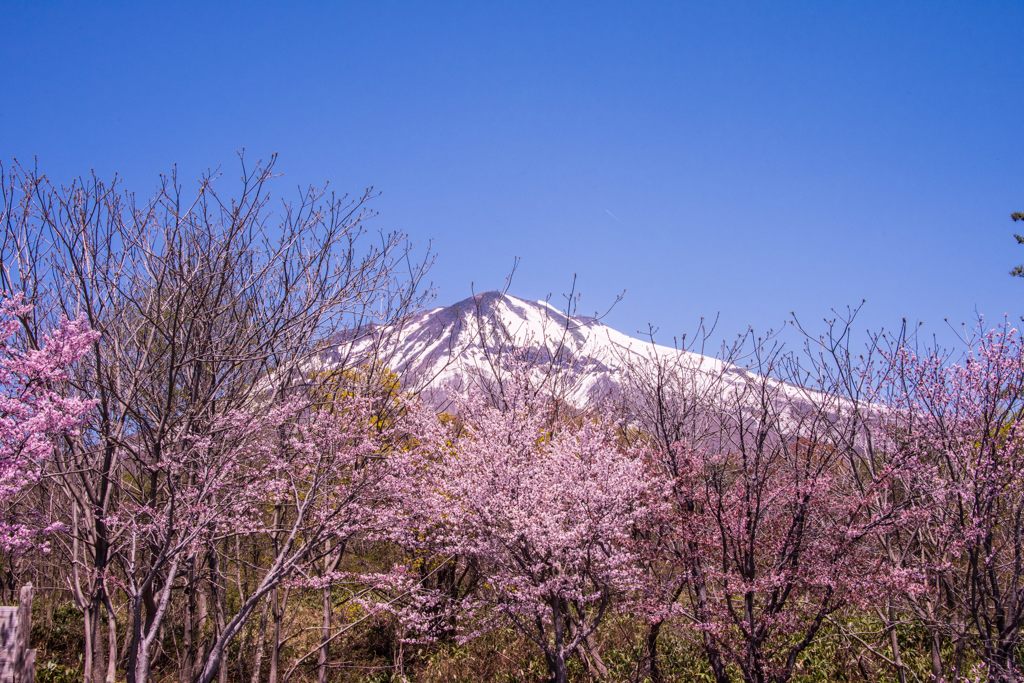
(490, 300)
(447, 350)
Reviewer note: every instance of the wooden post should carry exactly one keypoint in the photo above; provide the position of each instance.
(17, 660)
(25, 663)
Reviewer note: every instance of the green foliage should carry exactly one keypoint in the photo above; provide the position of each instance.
(331, 388)
(504, 656)
(501, 656)
(59, 642)
(52, 672)
(1017, 216)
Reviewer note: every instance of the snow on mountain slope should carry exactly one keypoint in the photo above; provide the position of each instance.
(447, 351)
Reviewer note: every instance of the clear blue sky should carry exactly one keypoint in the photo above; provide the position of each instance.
(748, 159)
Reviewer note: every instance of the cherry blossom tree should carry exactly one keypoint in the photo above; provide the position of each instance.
(547, 513)
(962, 421)
(666, 401)
(776, 515)
(34, 411)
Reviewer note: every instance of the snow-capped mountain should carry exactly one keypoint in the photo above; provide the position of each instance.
(447, 351)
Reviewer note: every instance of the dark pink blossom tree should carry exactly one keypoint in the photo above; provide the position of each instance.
(963, 422)
(775, 513)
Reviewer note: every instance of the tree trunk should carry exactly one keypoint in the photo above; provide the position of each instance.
(937, 658)
(261, 641)
(557, 670)
(556, 656)
(111, 676)
(653, 668)
(95, 665)
(277, 615)
(100, 651)
(894, 645)
(87, 631)
(592, 659)
(135, 642)
(189, 634)
(325, 635)
(141, 670)
(561, 673)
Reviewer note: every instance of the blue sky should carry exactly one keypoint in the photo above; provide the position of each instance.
(747, 159)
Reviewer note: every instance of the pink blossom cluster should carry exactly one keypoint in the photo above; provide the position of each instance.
(35, 409)
(545, 514)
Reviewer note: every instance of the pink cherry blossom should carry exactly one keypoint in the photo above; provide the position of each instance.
(34, 411)
(545, 514)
